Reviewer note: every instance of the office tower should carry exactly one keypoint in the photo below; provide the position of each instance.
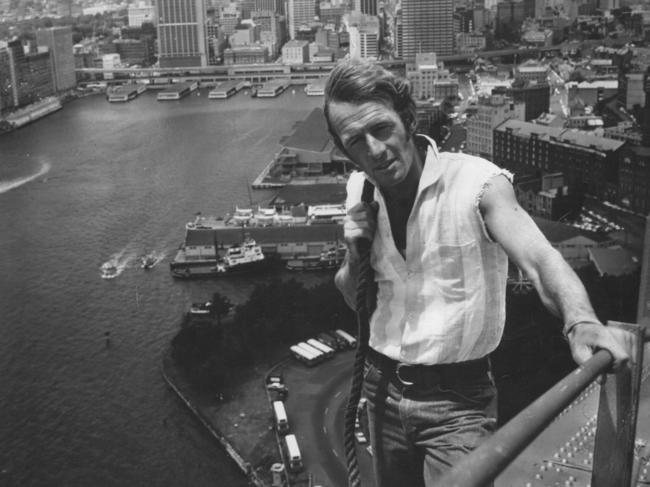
(491, 111)
(427, 26)
(276, 6)
(59, 41)
(301, 14)
(364, 38)
(6, 91)
(428, 80)
(368, 7)
(181, 33)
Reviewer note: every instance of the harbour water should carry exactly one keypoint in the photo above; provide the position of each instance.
(93, 182)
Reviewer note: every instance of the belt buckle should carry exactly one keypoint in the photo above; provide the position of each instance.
(399, 377)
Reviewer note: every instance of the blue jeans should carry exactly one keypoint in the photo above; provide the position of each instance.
(420, 431)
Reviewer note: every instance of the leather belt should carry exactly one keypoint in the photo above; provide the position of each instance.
(426, 375)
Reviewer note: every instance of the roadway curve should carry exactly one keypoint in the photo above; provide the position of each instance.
(315, 408)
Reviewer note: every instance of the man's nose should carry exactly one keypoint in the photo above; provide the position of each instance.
(375, 147)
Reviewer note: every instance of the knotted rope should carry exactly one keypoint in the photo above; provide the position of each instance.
(365, 301)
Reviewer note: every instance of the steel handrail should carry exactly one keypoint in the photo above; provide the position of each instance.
(485, 463)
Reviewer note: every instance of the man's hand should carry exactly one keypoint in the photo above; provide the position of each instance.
(585, 337)
(360, 222)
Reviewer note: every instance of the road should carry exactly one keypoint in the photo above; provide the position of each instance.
(315, 407)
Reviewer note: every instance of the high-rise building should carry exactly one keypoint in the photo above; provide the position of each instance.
(276, 6)
(59, 42)
(427, 26)
(181, 33)
(6, 91)
(30, 74)
(300, 13)
(368, 7)
(429, 80)
(491, 111)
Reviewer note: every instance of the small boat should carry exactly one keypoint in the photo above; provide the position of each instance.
(148, 261)
(201, 308)
(109, 270)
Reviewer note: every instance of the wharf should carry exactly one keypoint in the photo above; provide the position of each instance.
(125, 92)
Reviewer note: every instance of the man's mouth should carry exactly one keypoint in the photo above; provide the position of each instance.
(385, 165)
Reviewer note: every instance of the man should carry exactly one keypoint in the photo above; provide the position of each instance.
(442, 228)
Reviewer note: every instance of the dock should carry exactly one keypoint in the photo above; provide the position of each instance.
(177, 91)
(273, 88)
(226, 89)
(125, 92)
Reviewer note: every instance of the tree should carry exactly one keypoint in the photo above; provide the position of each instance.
(221, 305)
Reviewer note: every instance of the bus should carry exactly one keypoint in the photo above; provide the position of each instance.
(320, 355)
(306, 357)
(328, 351)
(281, 421)
(293, 453)
(349, 339)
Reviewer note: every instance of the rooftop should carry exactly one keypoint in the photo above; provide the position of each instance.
(614, 261)
(311, 134)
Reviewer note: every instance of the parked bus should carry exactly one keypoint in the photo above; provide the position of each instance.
(349, 339)
(328, 351)
(320, 355)
(306, 357)
(281, 421)
(294, 459)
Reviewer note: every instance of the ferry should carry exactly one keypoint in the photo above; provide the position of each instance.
(125, 93)
(242, 216)
(318, 214)
(178, 91)
(330, 259)
(226, 90)
(315, 89)
(265, 217)
(239, 259)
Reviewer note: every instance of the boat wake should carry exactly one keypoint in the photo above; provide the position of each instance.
(114, 266)
(9, 185)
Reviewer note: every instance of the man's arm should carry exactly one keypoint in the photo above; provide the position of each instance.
(558, 286)
(360, 222)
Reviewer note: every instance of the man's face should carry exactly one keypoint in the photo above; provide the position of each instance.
(376, 140)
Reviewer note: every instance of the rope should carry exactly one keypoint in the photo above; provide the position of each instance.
(365, 304)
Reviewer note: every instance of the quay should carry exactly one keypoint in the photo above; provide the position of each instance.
(125, 93)
(227, 89)
(177, 91)
(273, 88)
(203, 247)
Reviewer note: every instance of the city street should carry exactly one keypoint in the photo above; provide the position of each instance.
(315, 407)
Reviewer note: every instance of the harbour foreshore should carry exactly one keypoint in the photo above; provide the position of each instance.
(241, 429)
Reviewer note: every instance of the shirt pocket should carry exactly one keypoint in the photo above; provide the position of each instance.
(451, 271)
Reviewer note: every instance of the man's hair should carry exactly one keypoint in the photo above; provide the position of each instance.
(357, 82)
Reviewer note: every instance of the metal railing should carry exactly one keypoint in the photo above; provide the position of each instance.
(616, 423)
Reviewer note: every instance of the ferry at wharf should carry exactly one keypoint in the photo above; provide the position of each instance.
(241, 258)
(308, 237)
